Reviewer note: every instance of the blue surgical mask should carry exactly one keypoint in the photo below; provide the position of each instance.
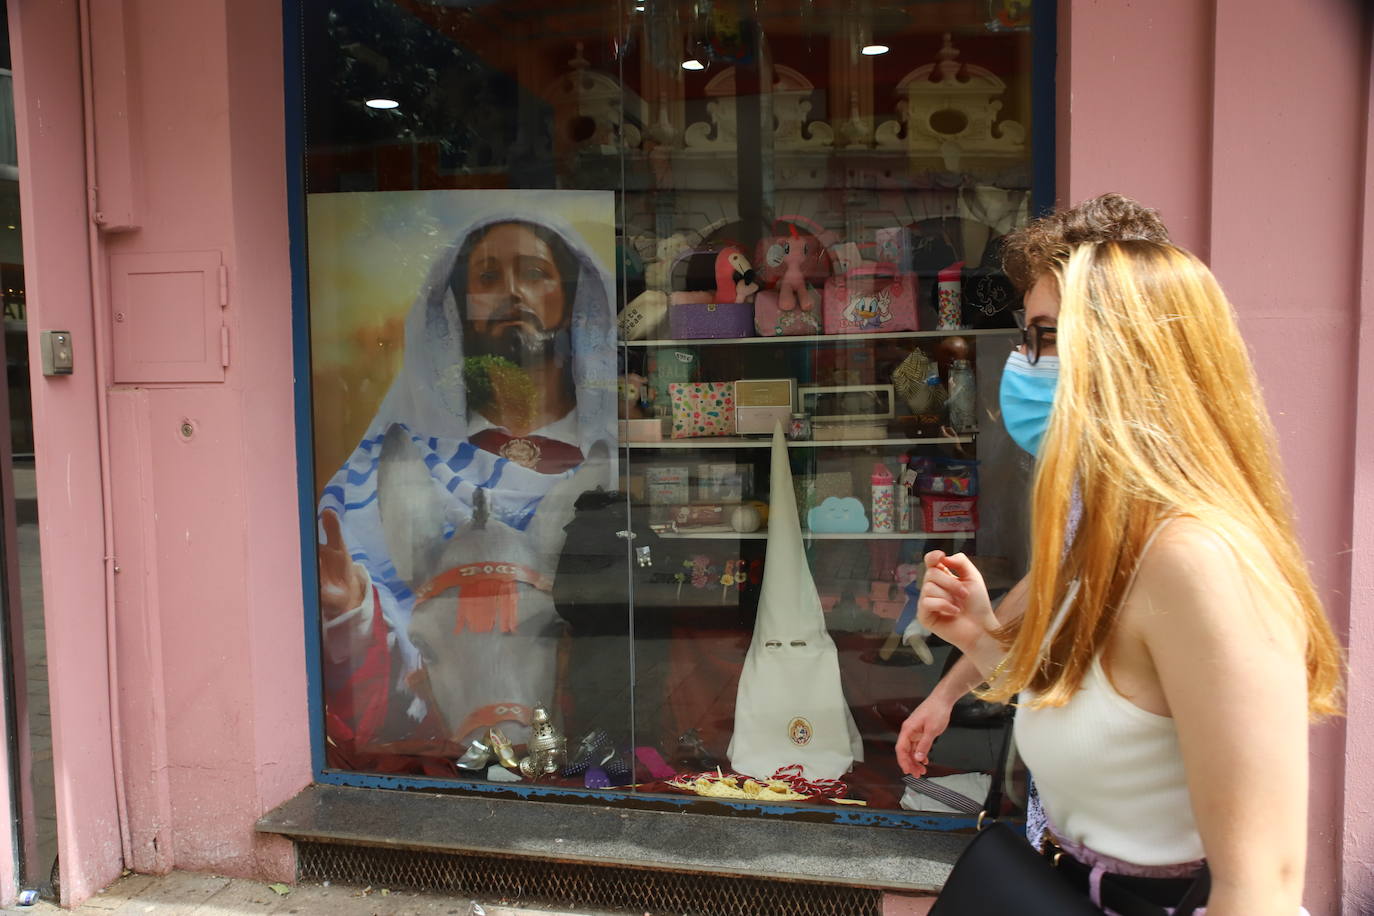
(1027, 396)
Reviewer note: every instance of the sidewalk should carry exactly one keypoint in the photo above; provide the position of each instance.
(208, 895)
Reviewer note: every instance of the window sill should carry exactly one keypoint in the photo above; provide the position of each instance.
(762, 847)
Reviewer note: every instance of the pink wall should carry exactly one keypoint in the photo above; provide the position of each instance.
(215, 623)
(1149, 144)
(1358, 839)
(1247, 129)
(1288, 252)
(53, 197)
(210, 654)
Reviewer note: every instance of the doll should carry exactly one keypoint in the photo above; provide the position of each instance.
(791, 255)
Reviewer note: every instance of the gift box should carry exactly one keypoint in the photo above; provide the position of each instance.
(722, 483)
(650, 430)
(705, 320)
(698, 516)
(870, 300)
(762, 403)
(771, 321)
(946, 476)
(702, 409)
(667, 485)
(664, 366)
(946, 514)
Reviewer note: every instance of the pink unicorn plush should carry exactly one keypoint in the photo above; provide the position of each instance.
(792, 255)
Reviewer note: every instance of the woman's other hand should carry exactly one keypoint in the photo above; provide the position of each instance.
(954, 603)
(926, 723)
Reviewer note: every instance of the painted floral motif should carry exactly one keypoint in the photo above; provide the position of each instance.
(702, 409)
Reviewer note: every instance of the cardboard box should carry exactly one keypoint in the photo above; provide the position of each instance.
(667, 485)
(722, 482)
(650, 430)
(762, 403)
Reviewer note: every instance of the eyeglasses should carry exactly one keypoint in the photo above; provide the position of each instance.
(1034, 338)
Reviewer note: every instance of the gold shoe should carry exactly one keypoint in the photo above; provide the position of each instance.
(505, 753)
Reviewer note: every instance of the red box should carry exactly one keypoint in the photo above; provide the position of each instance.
(945, 514)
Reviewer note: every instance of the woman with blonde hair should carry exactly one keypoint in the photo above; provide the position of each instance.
(1172, 647)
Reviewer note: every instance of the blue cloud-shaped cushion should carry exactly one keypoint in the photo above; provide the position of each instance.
(838, 515)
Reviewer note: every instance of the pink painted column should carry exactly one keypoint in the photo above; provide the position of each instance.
(1286, 173)
(276, 645)
(1357, 861)
(1134, 108)
(209, 641)
(48, 106)
(1235, 121)
(212, 657)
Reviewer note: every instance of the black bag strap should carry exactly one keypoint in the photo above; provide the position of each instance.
(992, 803)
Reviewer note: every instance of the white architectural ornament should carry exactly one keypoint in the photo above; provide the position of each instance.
(790, 100)
(591, 111)
(950, 110)
(855, 131)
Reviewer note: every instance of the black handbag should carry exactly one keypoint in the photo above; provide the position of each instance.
(1000, 873)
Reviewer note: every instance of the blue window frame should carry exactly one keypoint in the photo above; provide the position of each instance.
(464, 158)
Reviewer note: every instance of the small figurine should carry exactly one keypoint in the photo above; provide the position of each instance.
(791, 255)
(736, 280)
(547, 748)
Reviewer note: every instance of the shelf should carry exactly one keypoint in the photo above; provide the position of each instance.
(710, 534)
(819, 338)
(739, 442)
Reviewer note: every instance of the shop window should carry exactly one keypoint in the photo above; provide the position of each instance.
(571, 268)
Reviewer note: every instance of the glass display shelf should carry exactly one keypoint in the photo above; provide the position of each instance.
(738, 442)
(711, 534)
(817, 338)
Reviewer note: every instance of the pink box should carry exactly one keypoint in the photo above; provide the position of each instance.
(650, 430)
(771, 321)
(870, 300)
(943, 514)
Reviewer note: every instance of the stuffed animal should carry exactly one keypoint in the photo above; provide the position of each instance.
(792, 254)
(736, 280)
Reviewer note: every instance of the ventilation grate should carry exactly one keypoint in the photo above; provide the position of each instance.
(569, 884)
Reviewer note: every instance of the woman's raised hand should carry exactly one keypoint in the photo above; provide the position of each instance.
(954, 602)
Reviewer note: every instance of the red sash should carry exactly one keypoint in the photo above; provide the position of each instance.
(488, 593)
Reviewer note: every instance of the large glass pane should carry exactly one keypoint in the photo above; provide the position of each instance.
(569, 265)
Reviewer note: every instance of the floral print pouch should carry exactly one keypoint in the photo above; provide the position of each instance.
(702, 409)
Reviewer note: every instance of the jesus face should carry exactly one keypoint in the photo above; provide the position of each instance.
(515, 304)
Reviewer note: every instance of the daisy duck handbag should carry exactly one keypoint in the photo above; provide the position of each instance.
(871, 299)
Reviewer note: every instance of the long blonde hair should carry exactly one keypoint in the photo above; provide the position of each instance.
(1157, 414)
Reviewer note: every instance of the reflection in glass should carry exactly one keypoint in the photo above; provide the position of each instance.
(523, 504)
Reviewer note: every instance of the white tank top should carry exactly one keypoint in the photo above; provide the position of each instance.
(1110, 775)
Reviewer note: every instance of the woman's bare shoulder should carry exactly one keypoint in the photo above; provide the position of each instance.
(1193, 584)
(1187, 565)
